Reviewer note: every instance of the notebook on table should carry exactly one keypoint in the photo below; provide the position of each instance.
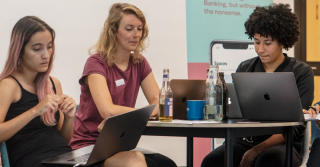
(119, 133)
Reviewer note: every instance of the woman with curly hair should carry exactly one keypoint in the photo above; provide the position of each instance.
(273, 29)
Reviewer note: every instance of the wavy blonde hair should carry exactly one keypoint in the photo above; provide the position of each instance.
(107, 43)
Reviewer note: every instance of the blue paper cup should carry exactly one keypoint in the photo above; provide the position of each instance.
(195, 109)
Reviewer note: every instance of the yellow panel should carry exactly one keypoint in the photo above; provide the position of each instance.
(313, 26)
(313, 40)
(313, 43)
(318, 21)
(316, 89)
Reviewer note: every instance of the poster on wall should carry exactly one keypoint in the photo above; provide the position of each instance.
(218, 20)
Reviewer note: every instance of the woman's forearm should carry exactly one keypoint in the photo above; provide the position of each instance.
(11, 127)
(67, 127)
(275, 139)
(114, 110)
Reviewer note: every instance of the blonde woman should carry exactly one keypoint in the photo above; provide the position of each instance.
(112, 77)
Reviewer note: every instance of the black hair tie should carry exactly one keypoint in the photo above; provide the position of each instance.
(314, 109)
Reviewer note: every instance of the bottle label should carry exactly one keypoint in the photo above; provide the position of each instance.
(165, 77)
(210, 101)
(168, 107)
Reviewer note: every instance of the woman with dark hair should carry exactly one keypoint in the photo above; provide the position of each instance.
(273, 29)
(112, 77)
(36, 118)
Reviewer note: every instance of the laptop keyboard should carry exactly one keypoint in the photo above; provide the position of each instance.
(82, 158)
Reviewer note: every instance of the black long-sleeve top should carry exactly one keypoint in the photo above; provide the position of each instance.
(305, 84)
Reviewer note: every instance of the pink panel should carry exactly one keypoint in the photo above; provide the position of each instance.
(197, 70)
(201, 146)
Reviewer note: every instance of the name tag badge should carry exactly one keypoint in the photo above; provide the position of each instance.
(120, 82)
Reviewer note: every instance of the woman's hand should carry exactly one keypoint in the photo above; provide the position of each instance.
(101, 125)
(249, 158)
(312, 111)
(67, 105)
(49, 102)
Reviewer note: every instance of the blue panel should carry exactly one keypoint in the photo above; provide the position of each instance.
(226, 22)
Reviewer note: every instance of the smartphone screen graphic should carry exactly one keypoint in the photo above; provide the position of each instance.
(229, 54)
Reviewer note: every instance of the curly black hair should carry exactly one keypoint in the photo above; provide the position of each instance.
(275, 20)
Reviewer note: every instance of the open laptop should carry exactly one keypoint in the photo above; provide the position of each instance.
(119, 133)
(183, 90)
(268, 96)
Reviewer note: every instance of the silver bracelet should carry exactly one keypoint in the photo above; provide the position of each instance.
(248, 140)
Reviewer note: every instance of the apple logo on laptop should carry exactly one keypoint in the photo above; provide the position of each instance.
(184, 99)
(122, 134)
(266, 96)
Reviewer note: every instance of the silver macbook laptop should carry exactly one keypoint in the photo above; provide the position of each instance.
(268, 96)
(184, 90)
(119, 133)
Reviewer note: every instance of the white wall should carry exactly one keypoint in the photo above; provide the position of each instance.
(78, 23)
(290, 2)
(290, 52)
